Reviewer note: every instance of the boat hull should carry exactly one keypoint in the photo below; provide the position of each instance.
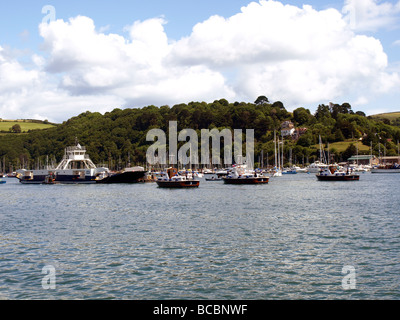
(289, 172)
(385, 171)
(178, 184)
(258, 180)
(58, 176)
(338, 178)
(59, 180)
(124, 177)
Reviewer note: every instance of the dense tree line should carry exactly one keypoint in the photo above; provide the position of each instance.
(117, 137)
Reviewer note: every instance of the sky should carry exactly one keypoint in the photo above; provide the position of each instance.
(61, 58)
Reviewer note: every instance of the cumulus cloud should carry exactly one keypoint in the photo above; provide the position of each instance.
(131, 68)
(298, 55)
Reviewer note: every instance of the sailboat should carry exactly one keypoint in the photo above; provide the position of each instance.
(320, 165)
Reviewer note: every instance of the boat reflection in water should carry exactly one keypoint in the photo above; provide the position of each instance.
(334, 174)
(173, 179)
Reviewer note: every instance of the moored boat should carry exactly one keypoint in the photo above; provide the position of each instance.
(241, 175)
(213, 179)
(289, 171)
(128, 175)
(317, 166)
(333, 174)
(173, 179)
(386, 169)
(75, 168)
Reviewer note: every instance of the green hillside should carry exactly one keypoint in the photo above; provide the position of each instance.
(343, 145)
(118, 137)
(392, 118)
(26, 125)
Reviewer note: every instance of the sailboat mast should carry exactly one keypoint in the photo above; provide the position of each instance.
(279, 155)
(282, 152)
(276, 162)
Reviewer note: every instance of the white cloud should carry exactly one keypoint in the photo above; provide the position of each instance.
(297, 55)
(300, 56)
(132, 69)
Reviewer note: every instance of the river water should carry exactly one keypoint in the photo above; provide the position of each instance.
(291, 239)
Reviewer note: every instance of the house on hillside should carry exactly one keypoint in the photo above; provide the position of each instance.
(287, 129)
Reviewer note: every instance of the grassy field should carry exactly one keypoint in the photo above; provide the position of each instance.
(5, 125)
(343, 145)
(391, 116)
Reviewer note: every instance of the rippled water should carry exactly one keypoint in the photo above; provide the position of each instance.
(289, 239)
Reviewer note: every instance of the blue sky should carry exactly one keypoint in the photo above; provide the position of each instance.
(99, 55)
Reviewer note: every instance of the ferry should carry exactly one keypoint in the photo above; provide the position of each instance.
(75, 168)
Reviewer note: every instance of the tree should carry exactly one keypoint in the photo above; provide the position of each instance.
(278, 104)
(261, 100)
(301, 116)
(339, 135)
(322, 112)
(349, 152)
(16, 128)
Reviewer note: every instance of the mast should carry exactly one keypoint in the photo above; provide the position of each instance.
(282, 152)
(370, 161)
(321, 157)
(279, 155)
(262, 159)
(276, 161)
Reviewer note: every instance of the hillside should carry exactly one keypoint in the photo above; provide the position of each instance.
(116, 137)
(392, 118)
(26, 125)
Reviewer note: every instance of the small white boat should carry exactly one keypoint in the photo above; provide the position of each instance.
(317, 166)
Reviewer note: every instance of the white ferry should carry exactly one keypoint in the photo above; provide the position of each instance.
(76, 167)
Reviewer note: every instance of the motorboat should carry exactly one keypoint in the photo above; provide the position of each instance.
(174, 179)
(333, 173)
(317, 166)
(240, 174)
